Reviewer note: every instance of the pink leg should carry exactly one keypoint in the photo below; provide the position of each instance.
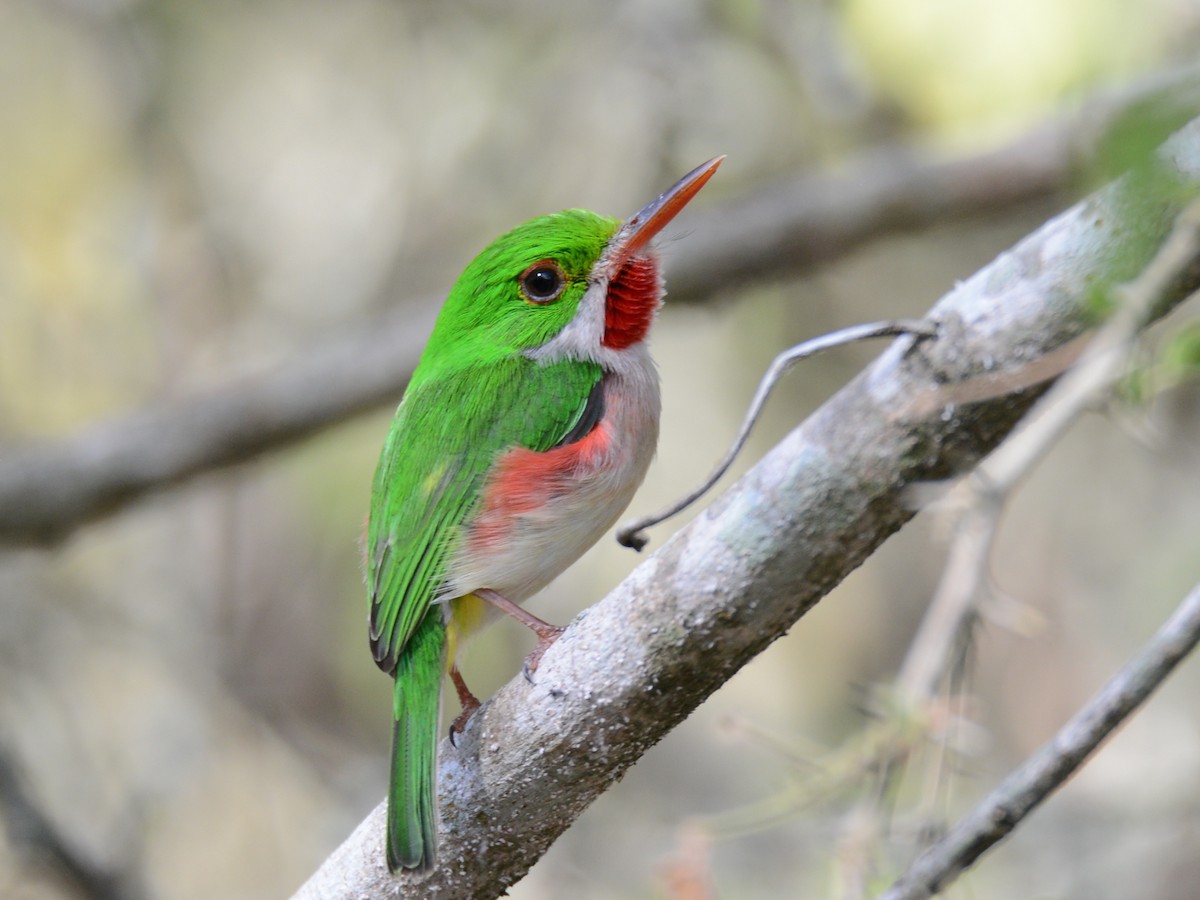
(469, 703)
(547, 633)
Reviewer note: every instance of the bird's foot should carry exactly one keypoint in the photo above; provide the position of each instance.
(460, 722)
(469, 703)
(547, 635)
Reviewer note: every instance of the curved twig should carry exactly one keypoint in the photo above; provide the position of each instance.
(632, 534)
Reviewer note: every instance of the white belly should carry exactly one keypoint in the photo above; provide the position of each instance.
(518, 549)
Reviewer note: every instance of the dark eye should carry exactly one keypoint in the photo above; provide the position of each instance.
(543, 281)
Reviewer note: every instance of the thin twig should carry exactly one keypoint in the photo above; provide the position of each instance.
(1045, 771)
(631, 534)
(928, 658)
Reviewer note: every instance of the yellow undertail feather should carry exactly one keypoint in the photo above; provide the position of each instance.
(467, 615)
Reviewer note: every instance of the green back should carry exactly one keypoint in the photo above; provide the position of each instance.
(473, 396)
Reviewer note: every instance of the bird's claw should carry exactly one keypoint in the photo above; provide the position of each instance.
(546, 637)
(460, 722)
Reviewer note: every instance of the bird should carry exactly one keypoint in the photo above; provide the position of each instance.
(530, 419)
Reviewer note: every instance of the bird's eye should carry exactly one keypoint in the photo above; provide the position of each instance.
(543, 281)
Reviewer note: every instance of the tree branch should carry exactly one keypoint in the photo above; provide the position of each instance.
(981, 496)
(785, 228)
(977, 502)
(29, 828)
(1048, 769)
(737, 577)
(802, 223)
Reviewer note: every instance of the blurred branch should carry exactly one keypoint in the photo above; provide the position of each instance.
(637, 663)
(799, 224)
(47, 491)
(977, 503)
(1056, 761)
(35, 833)
(983, 493)
(782, 229)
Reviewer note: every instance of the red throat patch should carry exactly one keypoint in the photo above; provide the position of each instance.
(633, 297)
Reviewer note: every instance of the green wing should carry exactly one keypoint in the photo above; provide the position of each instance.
(447, 433)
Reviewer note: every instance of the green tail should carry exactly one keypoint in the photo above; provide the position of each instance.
(412, 793)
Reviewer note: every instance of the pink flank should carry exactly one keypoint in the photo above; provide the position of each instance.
(525, 481)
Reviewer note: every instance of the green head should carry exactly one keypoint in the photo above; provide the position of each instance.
(572, 285)
(523, 289)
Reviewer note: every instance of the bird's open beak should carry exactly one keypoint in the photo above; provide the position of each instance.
(637, 231)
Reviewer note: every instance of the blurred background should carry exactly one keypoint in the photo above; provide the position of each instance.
(192, 193)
